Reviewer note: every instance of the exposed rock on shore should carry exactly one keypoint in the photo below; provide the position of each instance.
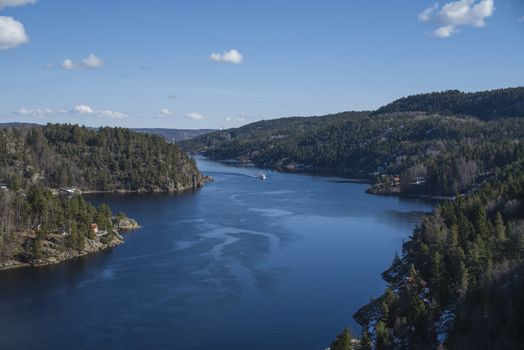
(124, 223)
(56, 247)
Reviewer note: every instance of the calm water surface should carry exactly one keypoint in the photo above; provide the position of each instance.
(241, 264)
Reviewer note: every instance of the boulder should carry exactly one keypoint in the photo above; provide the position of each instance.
(125, 224)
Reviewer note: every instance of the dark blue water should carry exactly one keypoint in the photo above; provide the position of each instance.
(241, 264)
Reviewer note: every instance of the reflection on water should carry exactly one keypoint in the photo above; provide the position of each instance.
(240, 264)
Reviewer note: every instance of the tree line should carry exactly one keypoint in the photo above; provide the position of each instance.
(463, 265)
(432, 154)
(37, 161)
(104, 159)
(28, 219)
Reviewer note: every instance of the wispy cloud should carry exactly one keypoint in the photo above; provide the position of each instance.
(453, 15)
(521, 19)
(106, 113)
(231, 56)
(112, 114)
(77, 111)
(195, 116)
(90, 62)
(165, 112)
(35, 112)
(15, 3)
(240, 119)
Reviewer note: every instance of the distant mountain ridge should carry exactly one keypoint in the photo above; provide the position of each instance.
(449, 142)
(168, 134)
(17, 125)
(174, 135)
(486, 105)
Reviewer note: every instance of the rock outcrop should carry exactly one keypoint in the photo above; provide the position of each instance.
(55, 247)
(125, 223)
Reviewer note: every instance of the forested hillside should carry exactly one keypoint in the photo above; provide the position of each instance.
(106, 159)
(40, 166)
(487, 105)
(404, 152)
(38, 227)
(459, 281)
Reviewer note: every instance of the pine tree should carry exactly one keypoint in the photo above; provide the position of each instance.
(343, 341)
(383, 340)
(500, 229)
(76, 238)
(365, 340)
(37, 248)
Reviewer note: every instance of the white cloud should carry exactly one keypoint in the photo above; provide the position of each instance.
(445, 32)
(112, 114)
(68, 64)
(79, 110)
(426, 15)
(165, 112)
(521, 19)
(195, 116)
(12, 33)
(231, 56)
(83, 109)
(15, 3)
(456, 14)
(35, 113)
(90, 62)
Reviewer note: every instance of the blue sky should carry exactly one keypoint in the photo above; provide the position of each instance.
(212, 64)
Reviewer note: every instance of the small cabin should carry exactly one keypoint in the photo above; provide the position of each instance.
(94, 227)
(69, 190)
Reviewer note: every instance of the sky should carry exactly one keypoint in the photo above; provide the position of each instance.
(220, 64)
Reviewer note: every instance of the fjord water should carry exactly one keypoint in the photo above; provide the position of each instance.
(240, 264)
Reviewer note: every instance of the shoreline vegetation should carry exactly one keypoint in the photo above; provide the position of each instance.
(44, 170)
(458, 281)
(56, 247)
(375, 187)
(435, 145)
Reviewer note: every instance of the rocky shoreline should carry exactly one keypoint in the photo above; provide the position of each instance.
(177, 189)
(55, 249)
(55, 254)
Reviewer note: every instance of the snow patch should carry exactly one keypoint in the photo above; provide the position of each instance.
(444, 324)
